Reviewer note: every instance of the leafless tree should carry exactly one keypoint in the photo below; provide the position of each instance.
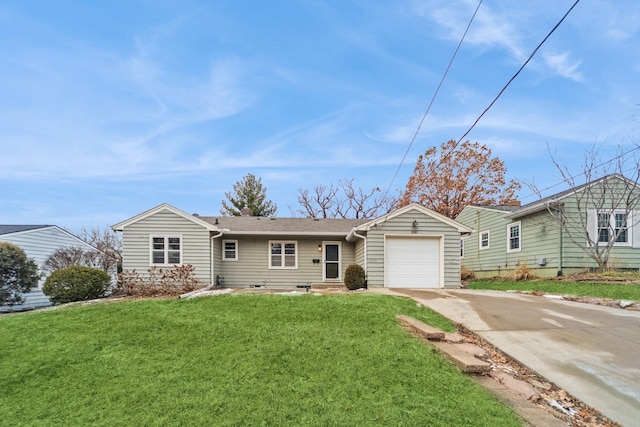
(599, 207)
(107, 256)
(343, 201)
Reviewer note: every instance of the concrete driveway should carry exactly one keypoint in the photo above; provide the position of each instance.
(593, 352)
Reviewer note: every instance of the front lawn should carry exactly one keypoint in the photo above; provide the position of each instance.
(234, 360)
(596, 289)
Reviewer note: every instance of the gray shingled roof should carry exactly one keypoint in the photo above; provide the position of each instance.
(256, 224)
(8, 229)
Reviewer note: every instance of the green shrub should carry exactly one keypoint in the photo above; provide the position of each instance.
(354, 277)
(76, 283)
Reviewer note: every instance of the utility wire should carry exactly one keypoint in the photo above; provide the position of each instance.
(424, 116)
(510, 81)
(497, 96)
(584, 172)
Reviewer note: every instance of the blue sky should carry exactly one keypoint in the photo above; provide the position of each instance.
(110, 108)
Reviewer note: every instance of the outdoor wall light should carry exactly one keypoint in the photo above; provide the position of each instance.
(319, 248)
(414, 224)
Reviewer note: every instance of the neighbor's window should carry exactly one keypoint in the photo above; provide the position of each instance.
(484, 240)
(611, 225)
(513, 237)
(166, 250)
(229, 250)
(283, 255)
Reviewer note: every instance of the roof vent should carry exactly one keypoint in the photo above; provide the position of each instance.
(195, 214)
(216, 223)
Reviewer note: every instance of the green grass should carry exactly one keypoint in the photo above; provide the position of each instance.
(619, 291)
(234, 360)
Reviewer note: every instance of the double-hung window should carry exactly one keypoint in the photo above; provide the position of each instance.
(166, 250)
(613, 225)
(484, 240)
(513, 237)
(229, 250)
(283, 254)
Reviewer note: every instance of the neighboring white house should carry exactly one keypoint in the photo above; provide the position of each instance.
(411, 247)
(39, 242)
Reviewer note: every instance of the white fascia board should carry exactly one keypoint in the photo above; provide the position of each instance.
(165, 206)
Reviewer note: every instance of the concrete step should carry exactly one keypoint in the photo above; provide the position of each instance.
(463, 355)
(466, 362)
(421, 328)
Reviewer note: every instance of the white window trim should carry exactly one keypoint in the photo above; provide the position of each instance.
(480, 247)
(324, 261)
(283, 243)
(166, 238)
(509, 227)
(224, 251)
(612, 225)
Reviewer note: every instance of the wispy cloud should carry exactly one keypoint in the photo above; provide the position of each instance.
(562, 65)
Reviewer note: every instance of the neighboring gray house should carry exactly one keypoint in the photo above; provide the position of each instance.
(602, 212)
(411, 247)
(38, 242)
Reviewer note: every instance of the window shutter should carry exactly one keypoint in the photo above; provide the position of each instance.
(634, 228)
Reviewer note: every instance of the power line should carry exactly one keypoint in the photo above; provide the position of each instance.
(497, 96)
(510, 80)
(424, 116)
(584, 172)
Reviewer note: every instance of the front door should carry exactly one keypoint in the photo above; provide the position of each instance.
(331, 252)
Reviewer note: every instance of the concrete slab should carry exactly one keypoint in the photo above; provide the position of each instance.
(466, 362)
(590, 351)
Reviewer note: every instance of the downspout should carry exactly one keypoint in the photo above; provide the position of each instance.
(366, 270)
(560, 243)
(213, 257)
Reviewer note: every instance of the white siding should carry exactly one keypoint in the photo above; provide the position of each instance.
(39, 244)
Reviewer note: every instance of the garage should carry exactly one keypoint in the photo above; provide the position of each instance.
(412, 262)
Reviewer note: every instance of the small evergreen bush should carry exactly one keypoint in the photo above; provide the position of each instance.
(76, 283)
(354, 277)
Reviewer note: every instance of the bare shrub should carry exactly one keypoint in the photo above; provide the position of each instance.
(157, 282)
(523, 272)
(466, 274)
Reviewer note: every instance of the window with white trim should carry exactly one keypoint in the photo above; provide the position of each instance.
(612, 224)
(513, 237)
(166, 250)
(283, 254)
(229, 250)
(484, 240)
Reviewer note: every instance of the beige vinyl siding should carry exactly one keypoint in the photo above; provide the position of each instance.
(359, 254)
(39, 244)
(252, 266)
(195, 243)
(402, 225)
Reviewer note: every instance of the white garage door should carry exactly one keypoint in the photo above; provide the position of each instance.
(412, 262)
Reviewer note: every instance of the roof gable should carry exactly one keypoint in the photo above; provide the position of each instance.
(542, 204)
(419, 208)
(20, 230)
(163, 207)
